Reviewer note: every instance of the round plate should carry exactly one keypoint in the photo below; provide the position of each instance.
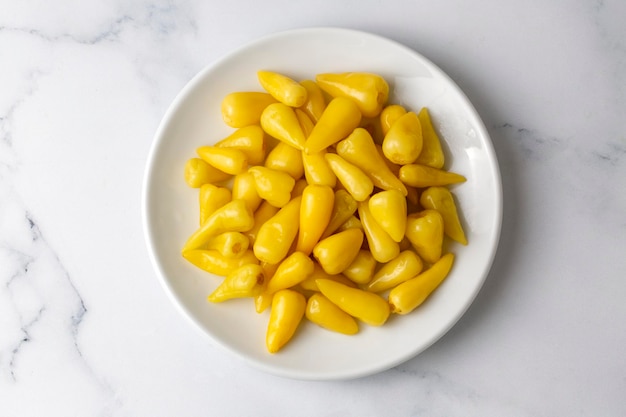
(170, 207)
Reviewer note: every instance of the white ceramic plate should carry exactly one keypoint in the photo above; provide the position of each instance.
(170, 207)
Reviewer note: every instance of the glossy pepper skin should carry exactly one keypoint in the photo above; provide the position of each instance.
(263, 213)
(198, 172)
(403, 142)
(366, 306)
(244, 188)
(316, 169)
(283, 88)
(343, 208)
(389, 115)
(292, 270)
(229, 160)
(403, 267)
(315, 211)
(339, 119)
(213, 262)
(351, 177)
(432, 153)
(336, 252)
(273, 186)
(382, 246)
(409, 295)
(359, 149)
(315, 103)
(229, 244)
(211, 197)
(288, 307)
(277, 234)
(232, 217)
(369, 91)
(245, 281)
(441, 199)
(389, 210)
(321, 311)
(425, 232)
(362, 268)
(280, 121)
(250, 140)
(287, 159)
(242, 109)
(310, 283)
(422, 176)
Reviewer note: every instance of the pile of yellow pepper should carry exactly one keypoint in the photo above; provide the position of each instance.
(325, 202)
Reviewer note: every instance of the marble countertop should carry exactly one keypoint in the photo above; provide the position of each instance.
(87, 330)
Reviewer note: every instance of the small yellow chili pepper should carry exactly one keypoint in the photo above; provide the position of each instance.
(389, 210)
(422, 176)
(276, 235)
(339, 119)
(321, 311)
(232, 217)
(306, 124)
(244, 188)
(229, 244)
(316, 169)
(250, 140)
(213, 262)
(288, 308)
(389, 115)
(292, 270)
(369, 91)
(315, 211)
(245, 281)
(280, 121)
(382, 246)
(198, 173)
(402, 268)
(287, 159)
(403, 142)
(344, 207)
(261, 215)
(441, 199)
(362, 268)
(359, 149)
(212, 197)
(353, 222)
(351, 177)
(366, 306)
(283, 88)
(298, 189)
(229, 160)
(409, 295)
(272, 185)
(310, 283)
(432, 154)
(244, 108)
(425, 232)
(315, 103)
(336, 252)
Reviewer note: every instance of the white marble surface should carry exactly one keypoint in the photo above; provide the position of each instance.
(87, 330)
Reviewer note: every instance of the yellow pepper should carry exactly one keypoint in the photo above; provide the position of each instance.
(244, 188)
(315, 103)
(310, 283)
(369, 91)
(250, 140)
(232, 217)
(422, 176)
(389, 115)
(359, 149)
(402, 268)
(213, 262)
(353, 222)
(292, 270)
(229, 160)
(298, 189)
(389, 210)
(425, 232)
(280, 121)
(441, 199)
(316, 169)
(261, 215)
(244, 108)
(211, 198)
(283, 88)
(321, 311)
(245, 281)
(339, 119)
(343, 208)
(366, 306)
(432, 154)
(198, 173)
(372, 126)
(229, 244)
(288, 308)
(403, 142)
(272, 185)
(315, 211)
(287, 159)
(351, 177)
(336, 252)
(362, 268)
(276, 235)
(382, 246)
(306, 124)
(409, 295)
